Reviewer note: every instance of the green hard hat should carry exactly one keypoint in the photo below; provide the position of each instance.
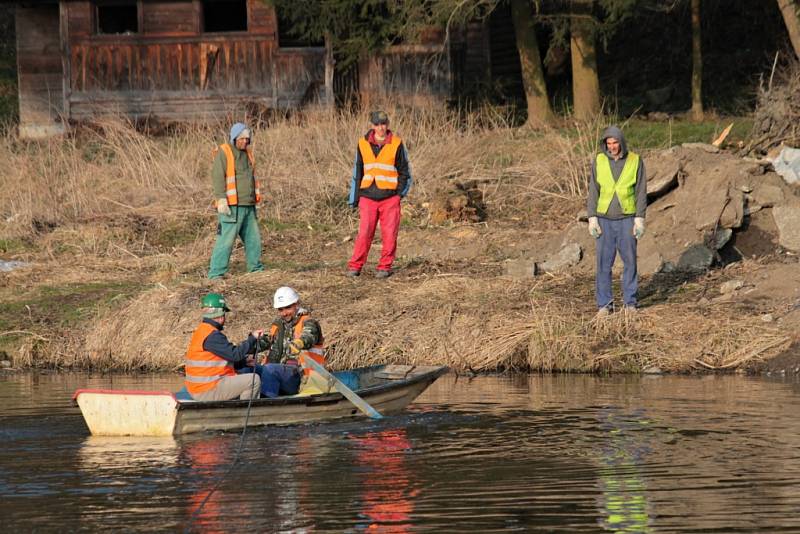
(215, 300)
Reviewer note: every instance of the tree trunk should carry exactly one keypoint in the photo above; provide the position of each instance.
(330, 64)
(585, 84)
(790, 17)
(697, 64)
(539, 110)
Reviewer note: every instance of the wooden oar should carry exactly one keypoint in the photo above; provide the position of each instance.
(348, 393)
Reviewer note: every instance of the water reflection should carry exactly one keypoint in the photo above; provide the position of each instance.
(494, 454)
(101, 453)
(623, 501)
(388, 493)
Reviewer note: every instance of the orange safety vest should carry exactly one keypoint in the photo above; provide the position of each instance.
(317, 352)
(204, 369)
(230, 174)
(379, 169)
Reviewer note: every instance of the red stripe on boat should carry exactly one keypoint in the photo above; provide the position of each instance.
(123, 392)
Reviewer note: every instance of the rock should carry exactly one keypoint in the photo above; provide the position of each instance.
(720, 238)
(6, 266)
(667, 267)
(767, 318)
(767, 195)
(702, 146)
(787, 218)
(696, 258)
(520, 268)
(752, 208)
(730, 286)
(726, 297)
(733, 214)
(568, 256)
(651, 264)
(787, 164)
(5, 364)
(662, 174)
(652, 370)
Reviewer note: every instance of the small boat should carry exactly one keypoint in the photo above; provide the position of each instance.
(388, 388)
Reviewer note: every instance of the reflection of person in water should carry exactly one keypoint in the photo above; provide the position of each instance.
(209, 458)
(623, 502)
(388, 499)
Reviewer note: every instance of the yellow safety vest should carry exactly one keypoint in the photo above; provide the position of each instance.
(624, 187)
(379, 169)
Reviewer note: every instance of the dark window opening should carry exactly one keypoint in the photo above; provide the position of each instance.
(288, 39)
(224, 15)
(117, 18)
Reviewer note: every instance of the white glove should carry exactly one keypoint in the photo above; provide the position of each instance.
(594, 227)
(222, 207)
(638, 227)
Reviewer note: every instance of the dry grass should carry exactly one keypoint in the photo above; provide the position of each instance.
(103, 204)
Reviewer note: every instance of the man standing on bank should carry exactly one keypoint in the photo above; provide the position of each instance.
(616, 206)
(381, 177)
(237, 194)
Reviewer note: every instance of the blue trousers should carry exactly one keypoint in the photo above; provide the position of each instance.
(277, 379)
(617, 237)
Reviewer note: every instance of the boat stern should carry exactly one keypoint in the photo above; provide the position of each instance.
(127, 413)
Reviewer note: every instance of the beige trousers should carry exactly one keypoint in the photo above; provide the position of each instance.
(232, 387)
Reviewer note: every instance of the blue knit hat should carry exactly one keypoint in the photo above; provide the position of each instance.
(237, 129)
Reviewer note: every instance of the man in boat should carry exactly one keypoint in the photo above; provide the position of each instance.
(237, 194)
(211, 359)
(616, 206)
(381, 177)
(292, 337)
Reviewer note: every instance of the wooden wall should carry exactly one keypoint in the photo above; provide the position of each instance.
(415, 74)
(171, 69)
(39, 70)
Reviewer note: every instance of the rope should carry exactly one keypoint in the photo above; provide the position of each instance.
(224, 475)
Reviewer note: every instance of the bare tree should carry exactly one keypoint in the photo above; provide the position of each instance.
(789, 10)
(697, 64)
(585, 82)
(539, 110)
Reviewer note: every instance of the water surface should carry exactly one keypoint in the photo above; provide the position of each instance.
(495, 453)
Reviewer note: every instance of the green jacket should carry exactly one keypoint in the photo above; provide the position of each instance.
(278, 344)
(245, 185)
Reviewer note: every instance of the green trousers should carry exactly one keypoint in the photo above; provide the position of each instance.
(241, 222)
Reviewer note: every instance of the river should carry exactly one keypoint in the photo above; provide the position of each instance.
(527, 453)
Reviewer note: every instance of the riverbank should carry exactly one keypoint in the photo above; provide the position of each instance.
(116, 229)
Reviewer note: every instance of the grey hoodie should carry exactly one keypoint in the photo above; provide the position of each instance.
(640, 189)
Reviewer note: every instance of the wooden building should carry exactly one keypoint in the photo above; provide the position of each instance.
(187, 60)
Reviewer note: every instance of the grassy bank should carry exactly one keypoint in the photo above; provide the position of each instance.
(117, 227)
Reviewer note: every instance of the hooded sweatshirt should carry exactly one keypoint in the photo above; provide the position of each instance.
(640, 189)
(245, 185)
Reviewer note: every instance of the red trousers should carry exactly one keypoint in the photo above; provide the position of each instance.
(387, 213)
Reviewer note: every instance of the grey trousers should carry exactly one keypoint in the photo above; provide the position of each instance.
(233, 387)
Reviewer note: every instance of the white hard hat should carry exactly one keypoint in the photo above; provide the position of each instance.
(285, 296)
